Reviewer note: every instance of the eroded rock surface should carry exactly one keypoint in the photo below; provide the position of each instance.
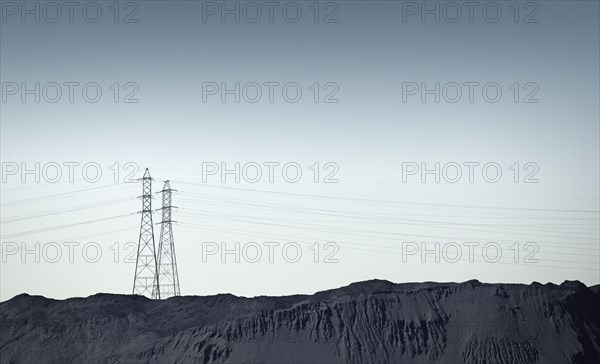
(366, 322)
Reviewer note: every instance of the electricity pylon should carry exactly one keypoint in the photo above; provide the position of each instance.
(168, 278)
(145, 281)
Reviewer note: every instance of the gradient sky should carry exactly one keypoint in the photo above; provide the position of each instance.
(368, 53)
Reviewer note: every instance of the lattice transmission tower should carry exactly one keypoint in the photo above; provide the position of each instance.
(168, 278)
(145, 281)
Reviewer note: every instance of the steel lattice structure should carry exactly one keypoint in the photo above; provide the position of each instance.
(168, 278)
(145, 281)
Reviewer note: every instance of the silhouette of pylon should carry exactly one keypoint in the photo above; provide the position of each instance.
(168, 277)
(145, 281)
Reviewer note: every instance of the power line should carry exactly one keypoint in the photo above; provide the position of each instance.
(342, 214)
(62, 211)
(23, 233)
(46, 197)
(389, 201)
(196, 226)
(365, 232)
(406, 221)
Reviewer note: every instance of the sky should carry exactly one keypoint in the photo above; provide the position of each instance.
(407, 141)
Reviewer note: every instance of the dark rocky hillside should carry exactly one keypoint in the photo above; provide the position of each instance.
(366, 322)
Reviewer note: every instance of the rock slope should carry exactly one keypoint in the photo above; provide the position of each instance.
(366, 322)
